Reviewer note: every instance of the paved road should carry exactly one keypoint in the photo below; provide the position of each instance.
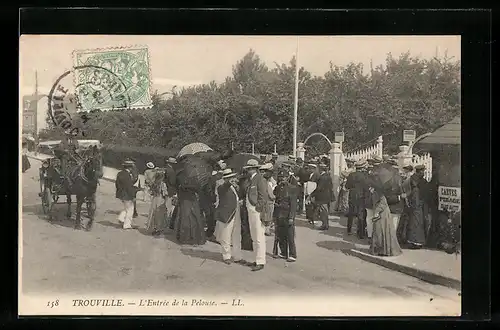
(57, 258)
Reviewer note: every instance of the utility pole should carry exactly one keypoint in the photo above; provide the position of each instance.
(35, 133)
(296, 100)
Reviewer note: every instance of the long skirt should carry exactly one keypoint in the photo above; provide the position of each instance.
(157, 215)
(343, 201)
(25, 163)
(189, 226)
(416, 226)
(384, 240)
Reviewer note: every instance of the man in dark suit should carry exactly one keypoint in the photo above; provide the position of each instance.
(256, 199)
(125, 191)
(169, 178)
(284, 215)
(322, 196)
(357, 185)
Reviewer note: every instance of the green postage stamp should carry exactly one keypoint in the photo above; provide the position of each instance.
(113, 78)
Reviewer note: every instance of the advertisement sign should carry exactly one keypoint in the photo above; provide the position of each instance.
(339, 137)
(409, 135)
(449, 198)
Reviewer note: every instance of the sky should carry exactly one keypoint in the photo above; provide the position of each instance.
(191, 60)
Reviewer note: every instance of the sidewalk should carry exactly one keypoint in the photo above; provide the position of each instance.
(433, 266)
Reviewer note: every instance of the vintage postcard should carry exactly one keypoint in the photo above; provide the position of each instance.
(240, 175)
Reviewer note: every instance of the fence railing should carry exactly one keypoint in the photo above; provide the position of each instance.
(425, 160)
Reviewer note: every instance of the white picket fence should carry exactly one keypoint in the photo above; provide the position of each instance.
(366, 153)
(425, 160)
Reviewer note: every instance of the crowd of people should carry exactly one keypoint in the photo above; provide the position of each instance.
(390, 206)
(242, 206)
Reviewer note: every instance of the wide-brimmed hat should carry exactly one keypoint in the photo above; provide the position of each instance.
(128, 163)
(420, 167)
(323, 165)
(312, 165)
(266, 167)
(172, 160)
(251, 163)
(376, 159)
(150, 165)
(361, 163)
(228, 173)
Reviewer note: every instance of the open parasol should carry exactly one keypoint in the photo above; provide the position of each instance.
(193, 148)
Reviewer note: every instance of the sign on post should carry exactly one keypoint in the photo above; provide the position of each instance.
(449, 199)
(409, 135)
(339, 137)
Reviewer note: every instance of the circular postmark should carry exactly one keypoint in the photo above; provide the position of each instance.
(97, 88)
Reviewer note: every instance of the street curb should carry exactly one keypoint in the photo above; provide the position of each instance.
(420, 274)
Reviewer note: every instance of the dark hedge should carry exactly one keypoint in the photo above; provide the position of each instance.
(114, 155)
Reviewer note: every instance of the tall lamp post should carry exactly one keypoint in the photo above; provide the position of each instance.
(296, 99)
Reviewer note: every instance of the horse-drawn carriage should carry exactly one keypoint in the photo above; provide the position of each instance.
(71, 172)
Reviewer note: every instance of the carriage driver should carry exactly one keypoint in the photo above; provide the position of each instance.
(67, 150)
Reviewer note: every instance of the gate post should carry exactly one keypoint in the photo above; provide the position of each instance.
(301, 151)
(380, 146)
(404, 158)
(335, 170)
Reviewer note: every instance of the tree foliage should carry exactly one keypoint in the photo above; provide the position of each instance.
(255, 105)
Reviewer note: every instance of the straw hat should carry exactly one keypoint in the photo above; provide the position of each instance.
(128, 163)
(252, 163)
(376, 159)
(228, 173)
(172, 160)
(361, 163)
(150, 165)
(266, 167)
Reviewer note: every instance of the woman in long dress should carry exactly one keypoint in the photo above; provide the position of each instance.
(384, 240)
(158, 210)
(189, 225)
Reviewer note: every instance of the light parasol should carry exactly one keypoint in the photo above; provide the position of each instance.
(193, 148)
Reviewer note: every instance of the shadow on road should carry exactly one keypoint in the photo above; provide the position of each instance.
(111, 224)
(202, 254)
(112, 212)
(336, 245)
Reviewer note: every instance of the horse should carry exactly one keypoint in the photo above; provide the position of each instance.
(84, 187)
(81, 180)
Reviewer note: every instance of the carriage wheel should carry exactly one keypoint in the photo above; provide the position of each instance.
(47, 201)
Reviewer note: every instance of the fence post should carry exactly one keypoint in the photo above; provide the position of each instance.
(335, 170)
(380, 146)
(301, 151)
(404, 158)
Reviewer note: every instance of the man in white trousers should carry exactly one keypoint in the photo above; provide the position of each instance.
(227, 216)
(125, 191)
(256, 199)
